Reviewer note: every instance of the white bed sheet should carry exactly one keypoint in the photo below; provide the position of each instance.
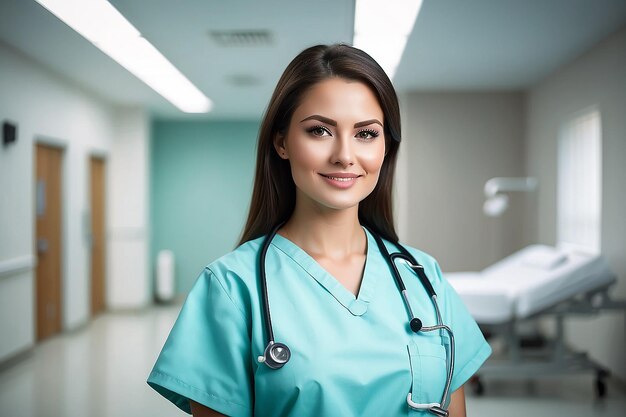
(528, 282)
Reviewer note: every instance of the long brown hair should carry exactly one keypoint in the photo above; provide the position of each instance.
(274, 194)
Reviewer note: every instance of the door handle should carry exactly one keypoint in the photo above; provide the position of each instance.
(42, 246)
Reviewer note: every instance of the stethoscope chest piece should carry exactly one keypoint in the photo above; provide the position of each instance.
(276, 355)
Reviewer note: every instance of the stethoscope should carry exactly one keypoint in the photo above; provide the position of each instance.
(277, 354)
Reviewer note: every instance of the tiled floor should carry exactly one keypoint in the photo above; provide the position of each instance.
(100, 371)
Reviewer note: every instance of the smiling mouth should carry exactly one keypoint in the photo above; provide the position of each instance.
(340, 179)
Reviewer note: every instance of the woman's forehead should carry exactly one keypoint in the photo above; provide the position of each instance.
(341, 100)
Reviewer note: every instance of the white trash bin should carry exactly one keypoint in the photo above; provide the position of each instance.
(165, 279)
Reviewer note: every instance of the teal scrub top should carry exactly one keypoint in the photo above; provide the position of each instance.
(350, 356)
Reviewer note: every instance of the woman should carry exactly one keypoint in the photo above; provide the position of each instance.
(326, 158)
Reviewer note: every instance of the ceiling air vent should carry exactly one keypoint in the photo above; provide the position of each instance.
(243, 80)
(243, 38)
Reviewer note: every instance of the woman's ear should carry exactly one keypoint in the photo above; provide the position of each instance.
(279, 145)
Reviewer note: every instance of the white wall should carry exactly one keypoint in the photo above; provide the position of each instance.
(128, 235)
(596, 78)
(452, 143)
(50, 109)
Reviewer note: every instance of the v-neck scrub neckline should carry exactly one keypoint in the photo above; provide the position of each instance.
(356, 305)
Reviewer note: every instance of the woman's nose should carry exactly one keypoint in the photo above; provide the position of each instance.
(343, 153)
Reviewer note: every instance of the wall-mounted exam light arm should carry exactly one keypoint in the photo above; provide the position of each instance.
(506, 184)
(497, 202)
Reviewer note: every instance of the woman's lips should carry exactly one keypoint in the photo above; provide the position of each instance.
(340, 179)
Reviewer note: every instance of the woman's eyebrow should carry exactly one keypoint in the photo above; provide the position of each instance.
(321, 119)
(368, 122)
(334, 123)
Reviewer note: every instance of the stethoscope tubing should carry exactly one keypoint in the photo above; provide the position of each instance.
(266, 303)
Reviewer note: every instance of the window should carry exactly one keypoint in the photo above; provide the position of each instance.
(579, 192)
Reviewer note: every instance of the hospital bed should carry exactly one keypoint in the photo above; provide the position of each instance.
(535, 282)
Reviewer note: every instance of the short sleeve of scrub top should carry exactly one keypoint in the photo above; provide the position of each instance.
(206, 355)
(350, 355)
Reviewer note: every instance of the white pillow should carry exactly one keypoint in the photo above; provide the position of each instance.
(545, 258)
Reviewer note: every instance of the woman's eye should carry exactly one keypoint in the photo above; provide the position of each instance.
(367, 134)
(318, 131)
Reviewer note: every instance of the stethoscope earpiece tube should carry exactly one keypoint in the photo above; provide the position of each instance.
(419, 270)
(438, 411)
(414, 322)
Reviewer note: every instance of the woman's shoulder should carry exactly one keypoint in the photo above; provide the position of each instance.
(233, 276)
(240, 263)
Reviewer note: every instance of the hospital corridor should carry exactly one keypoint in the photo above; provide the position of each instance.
(154, 179)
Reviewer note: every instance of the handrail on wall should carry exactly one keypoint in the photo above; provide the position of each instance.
(19, 264)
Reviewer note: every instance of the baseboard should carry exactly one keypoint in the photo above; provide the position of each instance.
(16, 358)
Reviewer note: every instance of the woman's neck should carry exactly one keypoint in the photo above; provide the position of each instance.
(327, 233)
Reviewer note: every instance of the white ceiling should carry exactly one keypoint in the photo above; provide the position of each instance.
(456, 45)
(501, 44)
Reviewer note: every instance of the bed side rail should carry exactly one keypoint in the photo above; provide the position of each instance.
(588, 303)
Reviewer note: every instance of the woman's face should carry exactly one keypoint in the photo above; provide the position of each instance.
(335, 144)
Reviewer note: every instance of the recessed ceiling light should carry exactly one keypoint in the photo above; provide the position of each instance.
(382, 27)
(101, 24)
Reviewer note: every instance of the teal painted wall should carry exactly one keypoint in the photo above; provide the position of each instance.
(201, 183)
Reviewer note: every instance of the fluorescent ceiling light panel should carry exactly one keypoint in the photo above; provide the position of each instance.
(101, 24)
(382, 28)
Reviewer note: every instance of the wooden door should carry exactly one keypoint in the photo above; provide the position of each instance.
(98, 241)
(48, 202)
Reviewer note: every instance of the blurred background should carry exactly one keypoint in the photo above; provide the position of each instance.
(115, 192)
